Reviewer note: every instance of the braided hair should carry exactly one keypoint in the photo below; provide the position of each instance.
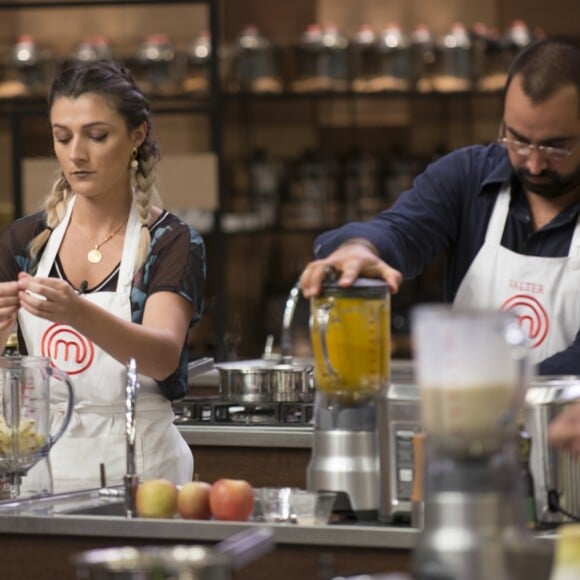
(115, 83)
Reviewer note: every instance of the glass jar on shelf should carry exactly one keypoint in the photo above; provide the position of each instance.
(196, 69)
(422, 57)
(489, 64)
(323, 60)
(94, 48)
(393, 60)
(156, 65)
(453, 52)
(364, 56)
(254, 66)
(27, 66)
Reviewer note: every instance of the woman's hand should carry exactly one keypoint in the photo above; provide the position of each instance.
(49, 298)
(564, 431)
(9, 304)
(350, 260)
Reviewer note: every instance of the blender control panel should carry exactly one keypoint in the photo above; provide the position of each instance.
(404, 467)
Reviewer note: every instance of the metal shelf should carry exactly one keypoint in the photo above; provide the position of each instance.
(18, 109)
(15, 5)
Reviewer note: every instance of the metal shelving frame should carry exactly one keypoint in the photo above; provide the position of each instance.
(17, 109)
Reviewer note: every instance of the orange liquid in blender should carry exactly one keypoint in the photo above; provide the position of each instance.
(358, 347)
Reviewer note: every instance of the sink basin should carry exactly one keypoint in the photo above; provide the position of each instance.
(89, 502)
(102, 508)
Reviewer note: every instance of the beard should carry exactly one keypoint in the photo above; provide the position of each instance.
(553, 184)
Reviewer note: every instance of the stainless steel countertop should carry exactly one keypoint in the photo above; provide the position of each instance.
(202, 531)
(48, 516)
(247, 436)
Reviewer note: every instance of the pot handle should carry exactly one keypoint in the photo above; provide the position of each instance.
(245, 547)
(61, 376)
(288, 316)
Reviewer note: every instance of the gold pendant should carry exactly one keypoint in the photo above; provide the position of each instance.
(94, 256)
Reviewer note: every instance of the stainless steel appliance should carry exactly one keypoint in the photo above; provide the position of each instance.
(472, 370)
(398, 419)
(556, 472)
(350, 333)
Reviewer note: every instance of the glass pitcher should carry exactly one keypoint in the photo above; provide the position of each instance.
(351, 339)
(472, 372)
(25, 436)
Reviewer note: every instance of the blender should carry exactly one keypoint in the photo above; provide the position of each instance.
(471, 371)
(25, 431)
(350, 335)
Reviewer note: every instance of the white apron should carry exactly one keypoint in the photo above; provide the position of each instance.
(543, 292)
(96, 433)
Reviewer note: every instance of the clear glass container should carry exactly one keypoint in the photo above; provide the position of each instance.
(26, 68)
(94, 48)
(350, 335)
(452, 69)
(255, 66)
(323, 59)
(156, 65)
(489, 63)
(393, 60)
(472, 371)
(364, 58)
(422, 55)
(197, 58)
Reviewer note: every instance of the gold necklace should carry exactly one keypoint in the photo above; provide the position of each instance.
(94, 256)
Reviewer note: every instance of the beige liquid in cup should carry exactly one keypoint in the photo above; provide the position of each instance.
(468, 417)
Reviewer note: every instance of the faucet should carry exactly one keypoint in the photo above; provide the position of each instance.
(286, 335)
(131, 479)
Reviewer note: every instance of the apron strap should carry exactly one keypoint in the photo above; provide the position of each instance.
(499, 215)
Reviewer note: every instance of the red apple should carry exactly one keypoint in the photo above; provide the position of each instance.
(193, 501)
(231, 500)
(156, 498)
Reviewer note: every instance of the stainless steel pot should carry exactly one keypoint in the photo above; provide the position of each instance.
(556, 472)
(261, 381)
(176, 562)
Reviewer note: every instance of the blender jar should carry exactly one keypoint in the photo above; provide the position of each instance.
(350, 334)
(472, 372)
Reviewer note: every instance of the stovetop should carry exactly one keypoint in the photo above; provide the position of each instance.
(215, 411)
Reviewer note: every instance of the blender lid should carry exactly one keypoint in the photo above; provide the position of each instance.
(360, 288)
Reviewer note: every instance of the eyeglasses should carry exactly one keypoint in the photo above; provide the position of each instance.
(526, 149)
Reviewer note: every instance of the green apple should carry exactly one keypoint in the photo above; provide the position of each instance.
(156, 498)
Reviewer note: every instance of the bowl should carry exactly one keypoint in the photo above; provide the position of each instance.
(311, 508)
(275, 504)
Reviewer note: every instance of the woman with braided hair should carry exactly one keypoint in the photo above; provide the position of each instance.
(103, 274)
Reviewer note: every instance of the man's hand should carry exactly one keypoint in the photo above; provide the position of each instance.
(564, 431)
(351, 260)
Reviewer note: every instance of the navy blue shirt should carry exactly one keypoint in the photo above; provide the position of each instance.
(447, 210)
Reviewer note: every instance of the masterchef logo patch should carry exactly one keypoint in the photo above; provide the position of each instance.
(67, 350)
(532, 316)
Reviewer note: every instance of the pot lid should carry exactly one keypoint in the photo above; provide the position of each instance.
(556, 389)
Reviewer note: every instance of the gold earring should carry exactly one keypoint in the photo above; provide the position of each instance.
(134, 163)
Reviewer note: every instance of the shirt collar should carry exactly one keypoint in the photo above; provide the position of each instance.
(501, 171)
